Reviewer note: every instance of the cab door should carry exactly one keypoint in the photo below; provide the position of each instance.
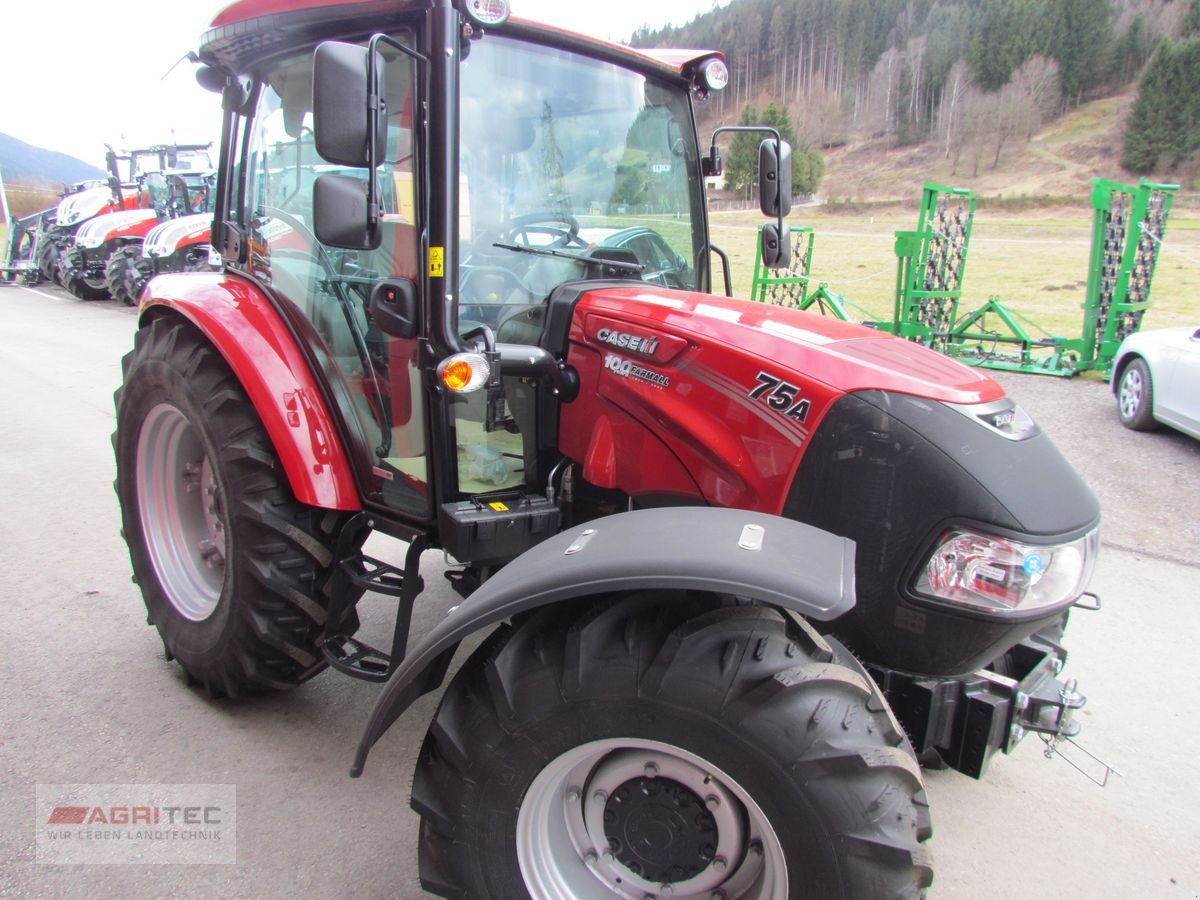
(324, 291)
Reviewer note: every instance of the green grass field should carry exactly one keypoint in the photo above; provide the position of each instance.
(1035, 261)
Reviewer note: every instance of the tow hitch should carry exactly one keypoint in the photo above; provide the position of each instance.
(965, 720)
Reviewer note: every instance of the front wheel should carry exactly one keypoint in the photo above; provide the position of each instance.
(121, 274)
(655, 745)
(80, 281)
(234, 570)
(1135, 397)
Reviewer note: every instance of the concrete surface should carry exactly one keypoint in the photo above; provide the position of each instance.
(86, 696)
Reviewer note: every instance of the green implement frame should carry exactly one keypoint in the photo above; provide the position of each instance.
(793, 287)
(931, 264)
(1127, 232)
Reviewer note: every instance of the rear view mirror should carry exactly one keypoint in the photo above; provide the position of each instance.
(776, 247)
(341, 105)
(775, 178)
(340, 212)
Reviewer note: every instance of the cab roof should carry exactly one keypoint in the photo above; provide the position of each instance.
(249, 30)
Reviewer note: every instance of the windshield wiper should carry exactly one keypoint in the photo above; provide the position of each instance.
(587, 260)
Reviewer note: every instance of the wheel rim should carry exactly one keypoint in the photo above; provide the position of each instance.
(636, 818)
(182, 512)
(1131, 393)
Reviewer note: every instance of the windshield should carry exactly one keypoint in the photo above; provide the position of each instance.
(566, 159)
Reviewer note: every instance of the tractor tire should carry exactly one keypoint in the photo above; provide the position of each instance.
(76, 280)
(47, 259)
(1135, 397)
(650, 744)
(234, 570)
(120, 275)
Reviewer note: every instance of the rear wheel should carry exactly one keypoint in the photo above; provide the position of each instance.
(233, 569)
(1135, 397)
(653, 745)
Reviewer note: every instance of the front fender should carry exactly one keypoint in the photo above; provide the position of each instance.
(252, 337)
(764, 558)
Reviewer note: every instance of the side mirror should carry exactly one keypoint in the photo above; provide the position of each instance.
(340, 212)
(776, 247)
(394, 307)
(775, 178)
(341, 104)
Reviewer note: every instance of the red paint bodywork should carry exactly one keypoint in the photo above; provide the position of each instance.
(252, 336)
(702, 435)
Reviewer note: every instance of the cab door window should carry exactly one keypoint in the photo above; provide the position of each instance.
(372, 376)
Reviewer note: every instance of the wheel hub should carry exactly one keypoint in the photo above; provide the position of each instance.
(635, 818)
(659, 829)
(1131, 393)
(657, 819)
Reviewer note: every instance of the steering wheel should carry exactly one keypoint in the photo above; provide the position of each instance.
(561, 228)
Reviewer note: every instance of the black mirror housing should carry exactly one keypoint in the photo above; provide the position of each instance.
(341, 98)
(340, 212)
(394, 307)
(776, 248)
(775, 178)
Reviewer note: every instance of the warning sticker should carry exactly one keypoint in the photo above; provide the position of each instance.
(437, 262)
(498, 506)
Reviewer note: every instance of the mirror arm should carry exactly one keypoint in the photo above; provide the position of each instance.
(375, 108)
(760, 129)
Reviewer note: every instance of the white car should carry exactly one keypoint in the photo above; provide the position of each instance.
(1156, 380)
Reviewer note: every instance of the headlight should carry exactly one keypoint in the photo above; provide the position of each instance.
(997, 574)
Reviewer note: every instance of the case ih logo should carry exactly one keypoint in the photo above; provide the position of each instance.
(135, 815)
(631, 342)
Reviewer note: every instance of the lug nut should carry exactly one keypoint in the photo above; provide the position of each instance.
(719, 864)
(590, 857)
(600, 797)
(712, 801)
(573, 794)
(651, 770)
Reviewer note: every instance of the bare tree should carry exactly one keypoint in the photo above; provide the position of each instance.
(950, 111)
(1036, 89)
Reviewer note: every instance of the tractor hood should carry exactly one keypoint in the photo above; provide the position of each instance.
(80, 206)
(843, 357)
(130, 223)
(167, 237)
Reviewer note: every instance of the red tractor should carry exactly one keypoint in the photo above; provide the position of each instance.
(179, 239)
(740, 568)
(97, 259)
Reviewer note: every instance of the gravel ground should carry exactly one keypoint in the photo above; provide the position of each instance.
(1148, 483)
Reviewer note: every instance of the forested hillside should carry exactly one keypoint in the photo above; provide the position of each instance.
(973, 78)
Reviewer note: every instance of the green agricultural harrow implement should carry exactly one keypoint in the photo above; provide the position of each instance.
(1127, 232)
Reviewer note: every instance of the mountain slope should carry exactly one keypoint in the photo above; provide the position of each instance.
(24, 163)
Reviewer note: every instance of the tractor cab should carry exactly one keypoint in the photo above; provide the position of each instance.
(490, 182)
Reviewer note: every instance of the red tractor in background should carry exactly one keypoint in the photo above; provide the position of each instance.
(740, 567)
(93, 262)
(177, 239)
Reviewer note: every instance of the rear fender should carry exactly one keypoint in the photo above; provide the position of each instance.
(756, 556)
(253, 338)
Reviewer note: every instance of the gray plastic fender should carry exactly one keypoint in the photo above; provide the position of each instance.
(760, 557)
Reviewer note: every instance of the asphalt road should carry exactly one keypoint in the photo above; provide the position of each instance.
(86, 696)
